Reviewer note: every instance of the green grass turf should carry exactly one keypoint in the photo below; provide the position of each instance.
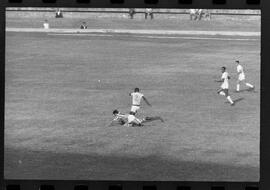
(56, 111)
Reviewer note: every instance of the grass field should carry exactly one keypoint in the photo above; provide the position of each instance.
(56, 111)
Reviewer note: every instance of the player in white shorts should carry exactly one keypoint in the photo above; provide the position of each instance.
(136, 100)
(119, 118)
(241, 77)
(134, 121)
(224, 88)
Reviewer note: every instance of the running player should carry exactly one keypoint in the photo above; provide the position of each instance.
(241, 77)
(119, 118)
(136, 100)
(224, 90)
(134, 121)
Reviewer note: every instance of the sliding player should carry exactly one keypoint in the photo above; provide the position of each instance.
(224, 90)
(242, 77)
(136, 100)
(134, 121)
(119, 118)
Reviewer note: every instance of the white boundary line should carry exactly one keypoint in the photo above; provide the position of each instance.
(78, 34)
(156, 37)
(20, 58)
(126, 31)
(200, 38)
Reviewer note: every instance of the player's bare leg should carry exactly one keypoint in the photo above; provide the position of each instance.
(238, 86)
(148, 119)
(221, 92)
(225, 93)
(230, 100)
(250, 85)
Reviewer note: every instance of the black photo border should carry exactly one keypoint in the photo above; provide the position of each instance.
(262, 184)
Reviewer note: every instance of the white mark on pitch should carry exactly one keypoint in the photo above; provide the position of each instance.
(155, 37)
(198, 38)
(79, 34)
(20, 58)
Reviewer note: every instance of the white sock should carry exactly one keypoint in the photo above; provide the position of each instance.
(249, 85)
(230, 100)
(222, 93)
(237, 87)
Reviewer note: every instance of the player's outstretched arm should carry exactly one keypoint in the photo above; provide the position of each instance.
(146, 101)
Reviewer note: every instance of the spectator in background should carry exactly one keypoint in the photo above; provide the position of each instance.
(83, 25)
(131, 13)
(149, 12)
(199, 13)
(192, 13)
(58, 14)
(207, 14)
(46, 24)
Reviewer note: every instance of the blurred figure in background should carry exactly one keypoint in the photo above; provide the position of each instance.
(192, 14)
(199, 13)
(149, 12)
(46, 24)
(131, 13)
(83, 25)
(58, 14)
(207, 14)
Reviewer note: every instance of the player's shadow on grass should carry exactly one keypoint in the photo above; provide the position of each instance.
(236, 100)
(246, 90)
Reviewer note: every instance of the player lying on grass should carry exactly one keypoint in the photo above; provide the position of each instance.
(119, 118)
(134, 121)
(242, 77)
(130, 120)
(224, 88)
(136, 100)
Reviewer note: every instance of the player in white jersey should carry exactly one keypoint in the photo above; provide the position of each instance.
(136, 100)
(119, 118)
(134, 121)
(241, 77)
(224, 88)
